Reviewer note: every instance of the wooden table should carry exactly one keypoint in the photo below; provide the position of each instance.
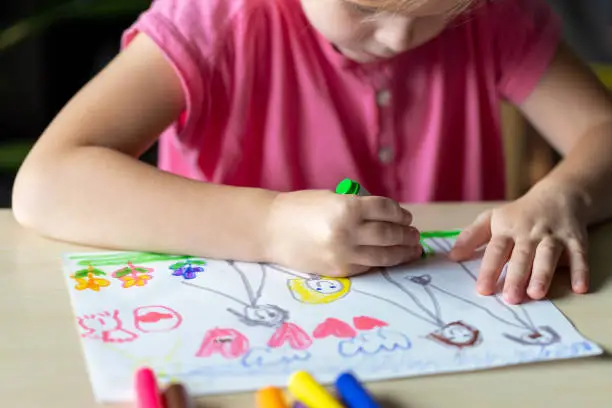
(41, 364)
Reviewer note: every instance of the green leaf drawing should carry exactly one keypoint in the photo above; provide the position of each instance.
(84, 272)
(180, 265)
(130, 270)
(118, 259)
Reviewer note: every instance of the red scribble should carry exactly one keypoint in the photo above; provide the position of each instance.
(367, 323)
(457, 334)
(106, 327)
(149, 319)
(154, 317)
(229, 343)
(334, 327)
(298, 339)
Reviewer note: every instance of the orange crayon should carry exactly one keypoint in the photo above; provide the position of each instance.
(270, 397)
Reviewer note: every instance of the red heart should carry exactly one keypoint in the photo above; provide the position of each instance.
(367, 323)
(334, 327)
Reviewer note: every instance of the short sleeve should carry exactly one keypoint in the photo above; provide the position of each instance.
(526, 35)
(189, 33)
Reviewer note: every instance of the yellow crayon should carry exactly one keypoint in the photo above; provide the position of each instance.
(305, 389)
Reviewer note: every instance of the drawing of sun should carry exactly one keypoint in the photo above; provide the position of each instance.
(318, 290)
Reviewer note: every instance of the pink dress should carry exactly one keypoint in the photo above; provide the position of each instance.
(271, 104)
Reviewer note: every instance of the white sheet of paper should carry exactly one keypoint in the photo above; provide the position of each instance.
(220, 327)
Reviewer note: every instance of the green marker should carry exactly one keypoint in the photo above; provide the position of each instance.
(348, 186)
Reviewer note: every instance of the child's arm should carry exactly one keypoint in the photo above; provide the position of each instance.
(83, 183)
(574, 112)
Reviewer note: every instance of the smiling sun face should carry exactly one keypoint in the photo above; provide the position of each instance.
(319, 290)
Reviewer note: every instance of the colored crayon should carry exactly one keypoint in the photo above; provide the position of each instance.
(270, 397)
(175, 396)
(306, 389)
(352, 392)
(147, 391)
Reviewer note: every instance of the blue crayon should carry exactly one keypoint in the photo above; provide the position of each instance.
(352, 393)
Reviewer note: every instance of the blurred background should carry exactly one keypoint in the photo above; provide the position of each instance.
(51, 48)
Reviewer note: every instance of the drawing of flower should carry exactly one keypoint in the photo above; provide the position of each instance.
(141, 280)
(186, 268)
(374, 342)
(86, 279)
(133, 275)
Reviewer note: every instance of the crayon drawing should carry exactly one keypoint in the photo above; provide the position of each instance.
(225, 326)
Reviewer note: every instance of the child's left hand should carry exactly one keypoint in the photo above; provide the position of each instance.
(532, 234)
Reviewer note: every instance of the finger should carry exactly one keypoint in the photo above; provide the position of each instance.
(519, 271)
(349, 270)
(545, 263)
(374, 208)
(379, 256)
(579, 265)
(373, 233)
(472, 238)
(495, 257)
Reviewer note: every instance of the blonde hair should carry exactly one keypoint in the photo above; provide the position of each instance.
(400, 6)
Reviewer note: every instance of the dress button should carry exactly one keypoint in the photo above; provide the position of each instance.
(383, 97)
(385, 154)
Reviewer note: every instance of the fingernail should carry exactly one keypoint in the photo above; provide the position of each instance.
(511, 296)
(579, 285)
(537, 287)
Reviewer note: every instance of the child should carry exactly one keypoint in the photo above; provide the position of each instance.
(264, 105)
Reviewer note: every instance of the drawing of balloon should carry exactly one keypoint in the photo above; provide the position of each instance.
(374, 342)
(187, 269)
(267, 357)
(318, 290)
(150, 319)
(229, 343)
(457, 334)
(542, 336)
(290, 333)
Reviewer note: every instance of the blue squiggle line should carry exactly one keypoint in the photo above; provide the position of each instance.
(398, 363)
(266, 357)
(374, 343)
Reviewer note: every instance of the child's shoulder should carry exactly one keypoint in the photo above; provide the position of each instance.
(206, 25)
(210, 13)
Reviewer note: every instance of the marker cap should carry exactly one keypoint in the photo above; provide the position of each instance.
(348, 186)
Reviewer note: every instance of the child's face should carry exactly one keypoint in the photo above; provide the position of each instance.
(365, 33)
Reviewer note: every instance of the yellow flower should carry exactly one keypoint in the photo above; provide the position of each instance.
(138, 280)
(90, 282)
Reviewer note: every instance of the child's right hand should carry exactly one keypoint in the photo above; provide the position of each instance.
(334, 235)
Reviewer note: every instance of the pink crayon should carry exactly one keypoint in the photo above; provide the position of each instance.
(147, 391)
